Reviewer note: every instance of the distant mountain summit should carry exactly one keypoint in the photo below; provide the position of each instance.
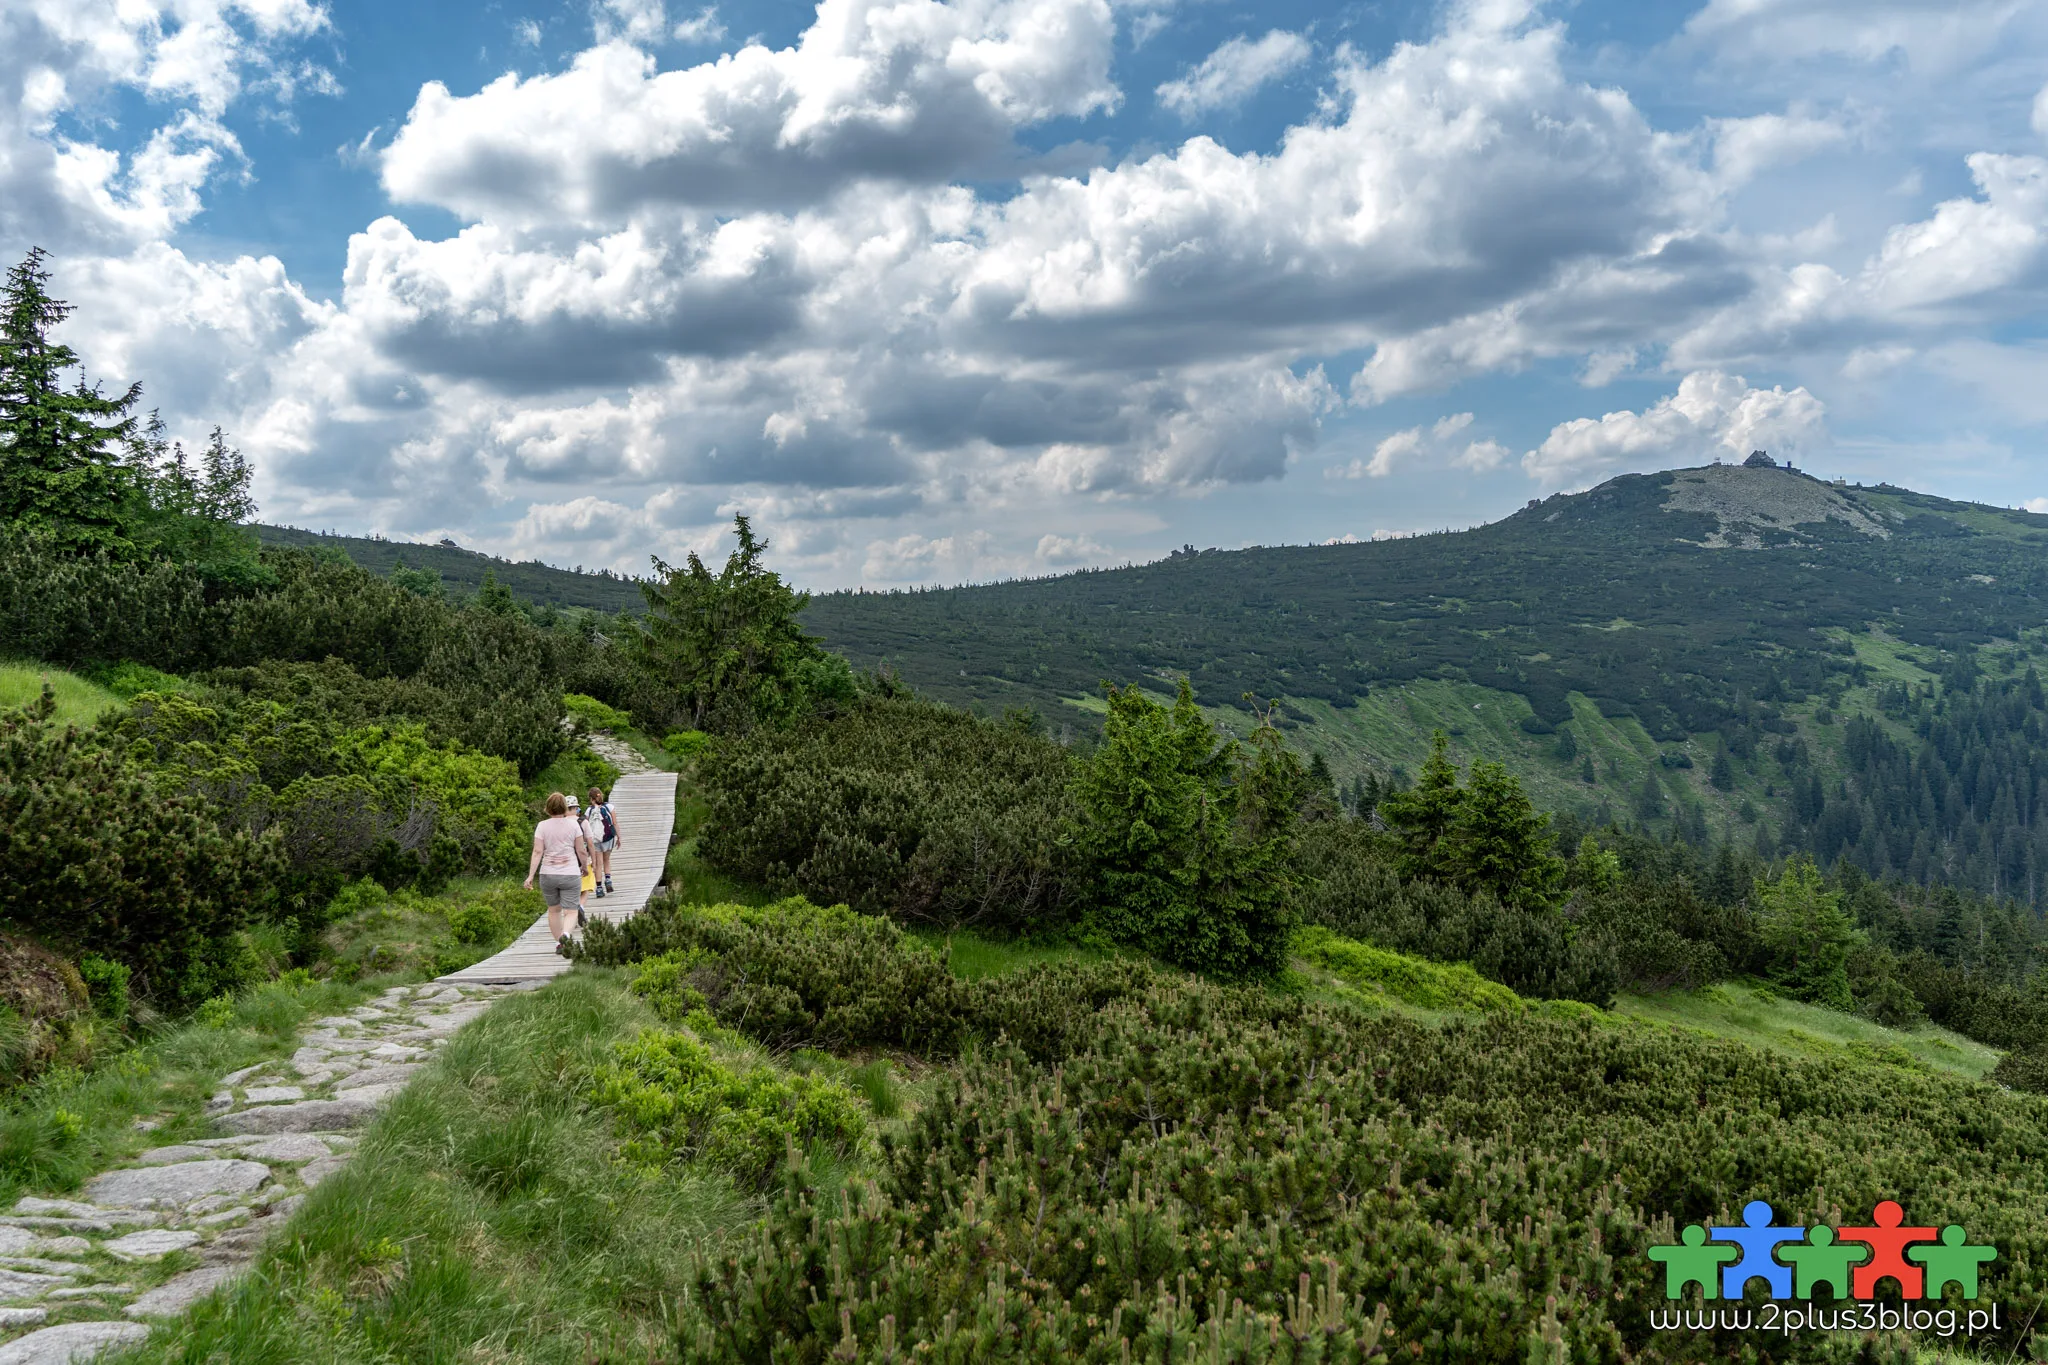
(1749, 503)
(1626, 594)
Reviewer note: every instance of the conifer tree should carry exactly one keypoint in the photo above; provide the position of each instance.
(1424, 816)
(730, 642)
(1809, 937)
(494, 597)
(1181, 861)
(224, 483)
(62, 450)
(1501, 844)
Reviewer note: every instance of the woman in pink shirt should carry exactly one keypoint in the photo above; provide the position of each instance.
(560, 853)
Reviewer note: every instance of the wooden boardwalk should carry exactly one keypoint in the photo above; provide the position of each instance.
(644, 804)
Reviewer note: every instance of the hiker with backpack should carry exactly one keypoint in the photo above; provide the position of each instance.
(604, 837)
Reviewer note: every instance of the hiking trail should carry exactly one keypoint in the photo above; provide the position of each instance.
(644, 804)
(284, 1126)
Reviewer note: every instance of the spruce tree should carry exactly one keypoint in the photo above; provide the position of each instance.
(1181, 860)
(494, 597)
(62, 465)
(730, 642)
(1424, 816)
(1809, 937)
(224, 483)
(1501, 844)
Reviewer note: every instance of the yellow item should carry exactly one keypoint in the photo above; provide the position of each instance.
(589, 880)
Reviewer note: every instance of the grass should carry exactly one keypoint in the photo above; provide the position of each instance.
(649, 749)
(481, 1218)
(79, 702)
(575, 772)
(1343, 969)
(684, 872)
(687, 876)
(1384, 977)
(70, 1123)
(1751, 1015)
(973, 956)
(413, 936)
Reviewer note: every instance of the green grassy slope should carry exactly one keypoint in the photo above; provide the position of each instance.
(1761, 1019)
(78, 701)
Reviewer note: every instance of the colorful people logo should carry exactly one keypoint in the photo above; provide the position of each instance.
(1850, 1261)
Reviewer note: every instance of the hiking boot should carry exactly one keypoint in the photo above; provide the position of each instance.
(600, 893)
(609, 887)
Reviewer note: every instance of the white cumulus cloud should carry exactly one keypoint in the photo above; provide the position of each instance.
(890, 90)
(1745, 147)
(1712, 415)
(1442, 445)
(702, 27)
(1234, 72)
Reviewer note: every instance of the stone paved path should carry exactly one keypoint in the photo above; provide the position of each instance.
(283, 1127)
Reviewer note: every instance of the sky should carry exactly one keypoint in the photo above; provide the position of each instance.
(949, 292)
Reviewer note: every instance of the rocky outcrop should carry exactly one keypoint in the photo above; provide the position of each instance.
(1750, 504)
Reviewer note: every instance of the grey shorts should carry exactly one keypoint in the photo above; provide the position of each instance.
(561, 891)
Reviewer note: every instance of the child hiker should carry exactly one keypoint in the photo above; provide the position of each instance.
(602, 828)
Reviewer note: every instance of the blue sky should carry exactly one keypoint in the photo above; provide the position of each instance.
(951, 291)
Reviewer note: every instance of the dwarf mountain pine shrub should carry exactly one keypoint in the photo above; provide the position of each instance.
(1235, 1175)
(896, 807)
(105, 862)
(672, 1099)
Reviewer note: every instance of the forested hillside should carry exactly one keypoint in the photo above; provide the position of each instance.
(461, 573)
(1685, 650)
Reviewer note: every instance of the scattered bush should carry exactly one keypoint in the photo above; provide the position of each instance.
(675, 1101)
(493, 917)
(2026, 1071)
(794, 975)
(1533, 949)
(106, 862)
(130, 680)
(107, 983)
(593, 714)
(686, 744)
(387, 799)
(895, 807)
